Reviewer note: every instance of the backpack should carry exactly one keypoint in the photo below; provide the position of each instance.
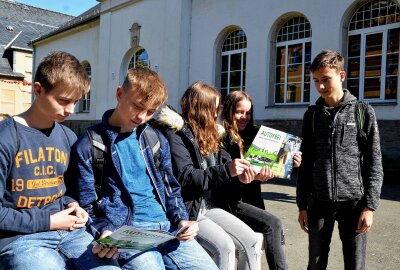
(360, 114)
(99, 149)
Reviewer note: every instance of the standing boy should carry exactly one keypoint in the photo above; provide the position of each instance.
(40, 227)
(136, 191)
(341, 175)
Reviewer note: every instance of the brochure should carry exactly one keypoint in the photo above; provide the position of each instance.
(273, 148)
(128, 238)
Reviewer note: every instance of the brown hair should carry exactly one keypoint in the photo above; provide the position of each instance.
(4, 116)
(198, 105)
(228, 112)
(62, 68)
(328, 58)
(147, 84)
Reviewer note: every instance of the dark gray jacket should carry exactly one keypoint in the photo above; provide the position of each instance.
(333, 168)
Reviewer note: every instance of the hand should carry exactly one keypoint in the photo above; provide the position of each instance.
(238, 166)
(297, 159)
(81, 214)
(190, 232)
(247, 176)
(365, 221)
(65, 219)
(303, 220)
(102, 251)
(265, 174)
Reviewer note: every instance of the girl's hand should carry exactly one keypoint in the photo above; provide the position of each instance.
(265, 174)
(238, 166)
(297, 159)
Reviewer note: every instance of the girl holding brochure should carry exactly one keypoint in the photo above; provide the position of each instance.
(245, 201)
(201, 166)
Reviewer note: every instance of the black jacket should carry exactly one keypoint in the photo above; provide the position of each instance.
(333, 168)
(186, 162)
(236, 192)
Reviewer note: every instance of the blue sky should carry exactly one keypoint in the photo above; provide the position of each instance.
(70, 7)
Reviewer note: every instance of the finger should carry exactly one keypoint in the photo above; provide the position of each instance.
(96, 248)
(103, 252)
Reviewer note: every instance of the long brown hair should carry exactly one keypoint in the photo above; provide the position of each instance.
(198, 105)
(243, 138)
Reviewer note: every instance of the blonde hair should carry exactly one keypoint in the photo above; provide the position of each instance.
(147, 84)
(62, 68)
(228, 113)
(198, 105)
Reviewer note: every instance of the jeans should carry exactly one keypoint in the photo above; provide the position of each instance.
(220, 232)
(272, 229)
(53, 250)
(173, 254)
(321, 221)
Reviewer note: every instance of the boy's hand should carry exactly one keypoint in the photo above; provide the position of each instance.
(238, 166)
(190, 232)
(365, 221)
(81, 214)
(102, 251)
(303, 220)
(265, 174)
(297, 159)
(64, 220)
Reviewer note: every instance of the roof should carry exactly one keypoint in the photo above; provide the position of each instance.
(87, 16)
(19, 24)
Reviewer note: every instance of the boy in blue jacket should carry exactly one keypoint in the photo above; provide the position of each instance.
(341, 174)
(40, 227)
(135, 190)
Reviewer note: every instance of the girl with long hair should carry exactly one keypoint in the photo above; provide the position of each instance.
(202, 166)
(245, 201)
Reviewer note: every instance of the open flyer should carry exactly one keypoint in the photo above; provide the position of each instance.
(128, 238)
(273, 148)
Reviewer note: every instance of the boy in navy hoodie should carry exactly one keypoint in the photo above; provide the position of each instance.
(40, 227)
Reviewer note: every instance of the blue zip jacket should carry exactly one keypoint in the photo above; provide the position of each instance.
(116, 206)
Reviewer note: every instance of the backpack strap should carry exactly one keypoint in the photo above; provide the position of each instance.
(360, 114)
(98, 150)
(154, 142)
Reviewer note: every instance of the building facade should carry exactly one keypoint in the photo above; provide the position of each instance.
(263, 47)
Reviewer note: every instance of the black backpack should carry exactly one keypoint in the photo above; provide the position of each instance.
(99, 150)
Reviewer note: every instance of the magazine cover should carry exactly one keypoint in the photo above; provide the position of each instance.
(273, 148)
(128, 238)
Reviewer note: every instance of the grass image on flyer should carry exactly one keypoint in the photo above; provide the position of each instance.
(273, 148)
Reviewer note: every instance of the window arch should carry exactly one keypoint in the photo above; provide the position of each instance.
(84, 103)
(139, 59)
(373, 51)
(293, 59)
(233, 62)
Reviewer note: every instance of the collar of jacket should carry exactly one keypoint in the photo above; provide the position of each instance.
(347, 99)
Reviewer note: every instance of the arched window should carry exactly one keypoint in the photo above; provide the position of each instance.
(84, 103)
(293, 59)
(373, 51)
(139, 59)
(233, 62)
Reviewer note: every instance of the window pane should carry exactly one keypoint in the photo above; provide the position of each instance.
(391, 86)
(373, 44)
(353, 86)
(293, 93)
(372, 87)
(280, 55)
(373, 66)
(224, 63)
(306, 93)
(354, 45)
(224, 79)
(279, 93)
(236, 61)
(280, 74)
(392, 64)
(353, 67)
(393, 41)
(234, 79)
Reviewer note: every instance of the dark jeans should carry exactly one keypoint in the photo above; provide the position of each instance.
(274, 239)
(321, 221)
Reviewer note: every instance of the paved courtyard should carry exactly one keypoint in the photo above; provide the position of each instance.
(383, 240)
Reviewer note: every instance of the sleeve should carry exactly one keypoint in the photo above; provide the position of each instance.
(16, 220)
(304, 180)
(372, 170)
(81, 184)
(194, 181)
(176, 209)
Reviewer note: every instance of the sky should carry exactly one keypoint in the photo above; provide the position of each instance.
(70, 7)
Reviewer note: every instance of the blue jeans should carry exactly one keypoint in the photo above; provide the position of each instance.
(271, 227)
(173, 254)
(53, 250)
(221, 232)
(321, 221)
